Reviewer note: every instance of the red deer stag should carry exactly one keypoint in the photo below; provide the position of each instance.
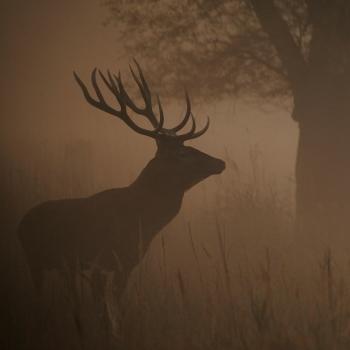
(108, 224)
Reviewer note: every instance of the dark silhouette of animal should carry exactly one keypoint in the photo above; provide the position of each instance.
(109, 226)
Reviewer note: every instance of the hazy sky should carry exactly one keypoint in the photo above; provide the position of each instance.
(44, 41)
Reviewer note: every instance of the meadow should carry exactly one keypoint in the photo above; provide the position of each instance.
(237, 276)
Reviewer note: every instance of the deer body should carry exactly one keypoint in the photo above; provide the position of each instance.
(113, 224)
(116, 226)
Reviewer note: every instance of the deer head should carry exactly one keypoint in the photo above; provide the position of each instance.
(174, 163)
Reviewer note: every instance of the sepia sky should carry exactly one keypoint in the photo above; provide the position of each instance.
(44, 41)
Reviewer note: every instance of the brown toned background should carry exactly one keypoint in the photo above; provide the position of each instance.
(53, 144)
(44, 41)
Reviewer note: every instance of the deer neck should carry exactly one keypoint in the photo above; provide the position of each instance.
(153, 181)
(158, 201)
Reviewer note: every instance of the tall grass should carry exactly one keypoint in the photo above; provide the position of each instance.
(263, 305)
(241, 281)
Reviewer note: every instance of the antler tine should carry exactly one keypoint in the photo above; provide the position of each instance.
(124, 95)
(96, 87)
(116, 87)
(85, 90)
(146, 95)
(143, 80)
(187, 115)
(111, 85)
(161, 115)
(194, 135)
(102, 105)
(188, 134)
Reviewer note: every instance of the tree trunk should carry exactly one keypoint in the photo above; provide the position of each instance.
(323, 159)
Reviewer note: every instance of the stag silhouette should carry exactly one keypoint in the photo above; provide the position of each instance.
(107, 227)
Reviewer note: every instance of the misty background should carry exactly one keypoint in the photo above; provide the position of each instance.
(46, 121)
(55, 145)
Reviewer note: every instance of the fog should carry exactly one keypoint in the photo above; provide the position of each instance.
(55, 145)
(44, 109)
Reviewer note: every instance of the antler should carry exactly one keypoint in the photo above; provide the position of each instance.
(115, 85)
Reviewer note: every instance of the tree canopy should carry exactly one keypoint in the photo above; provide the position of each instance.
(213, 48)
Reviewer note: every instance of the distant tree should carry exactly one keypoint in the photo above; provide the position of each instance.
(265, 48)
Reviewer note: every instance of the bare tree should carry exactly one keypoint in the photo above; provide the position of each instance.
(265, 48)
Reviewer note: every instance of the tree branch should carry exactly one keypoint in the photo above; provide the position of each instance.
(270, 66)
(277, 29)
